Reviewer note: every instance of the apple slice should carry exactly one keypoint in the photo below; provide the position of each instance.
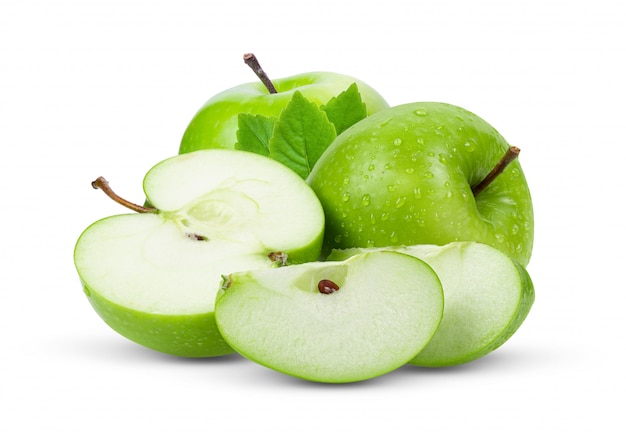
(153, 276)
(487, 297)
(332, 321)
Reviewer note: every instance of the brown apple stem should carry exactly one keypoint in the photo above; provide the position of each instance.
(251, 60)
(102, 183)
(511, 154)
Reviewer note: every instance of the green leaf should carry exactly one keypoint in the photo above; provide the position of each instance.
(254, 133)
(346, 109)
(301, 135)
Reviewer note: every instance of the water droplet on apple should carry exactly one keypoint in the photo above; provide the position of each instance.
(385, 122)
(400, 202)
(499, 238)
(515, 229)
(417, 193)
(391, 188)
(388, 166)
(365, 201)
(410, 170)
(420, 112)
(469, 146)
(338, 239)
(345, 197)
(372, 167)
(397, 142)
(443, 159)
(384, 216)
(393, 237)
(346, 180)
(428, 175)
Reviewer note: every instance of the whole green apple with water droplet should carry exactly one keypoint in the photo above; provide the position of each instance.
(404, 176)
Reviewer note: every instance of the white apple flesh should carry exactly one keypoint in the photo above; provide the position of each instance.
(487, 297)
(153, 277)
(385, 310)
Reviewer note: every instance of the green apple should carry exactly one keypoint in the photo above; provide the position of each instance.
(487, 296)
(332, 322)
(424, 173)
(153, 276)
(215, 124)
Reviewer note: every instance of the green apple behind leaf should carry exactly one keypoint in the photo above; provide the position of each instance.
(487, 296)
(153, 276)
(424, 173)
(332, 321)
(215, 125)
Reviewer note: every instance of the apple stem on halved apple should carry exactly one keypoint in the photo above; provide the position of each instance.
(326, 286)
(511, 154)
(102, 183)
(251, 60)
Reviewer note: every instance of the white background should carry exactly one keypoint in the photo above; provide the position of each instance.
(93, 88)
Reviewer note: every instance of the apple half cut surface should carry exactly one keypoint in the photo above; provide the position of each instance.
(153, 276)
(487, 297)
(332, 322)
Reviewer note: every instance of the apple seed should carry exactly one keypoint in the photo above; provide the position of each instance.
(326, 286)
(197, 237)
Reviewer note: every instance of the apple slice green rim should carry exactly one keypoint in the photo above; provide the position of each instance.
(332, 322)
(153, 276)
(488, 295)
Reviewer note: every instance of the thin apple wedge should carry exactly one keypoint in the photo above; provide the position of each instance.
(487, 297)
(332, 321)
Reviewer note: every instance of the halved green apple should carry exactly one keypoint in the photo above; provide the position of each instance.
(487, 297)
(153, 276)
(332, 321)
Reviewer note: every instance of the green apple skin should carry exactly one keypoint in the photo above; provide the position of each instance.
(191, 336)
(404, 175)
(215, 124)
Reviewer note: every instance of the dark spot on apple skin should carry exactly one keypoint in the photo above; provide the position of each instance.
(326, 286)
